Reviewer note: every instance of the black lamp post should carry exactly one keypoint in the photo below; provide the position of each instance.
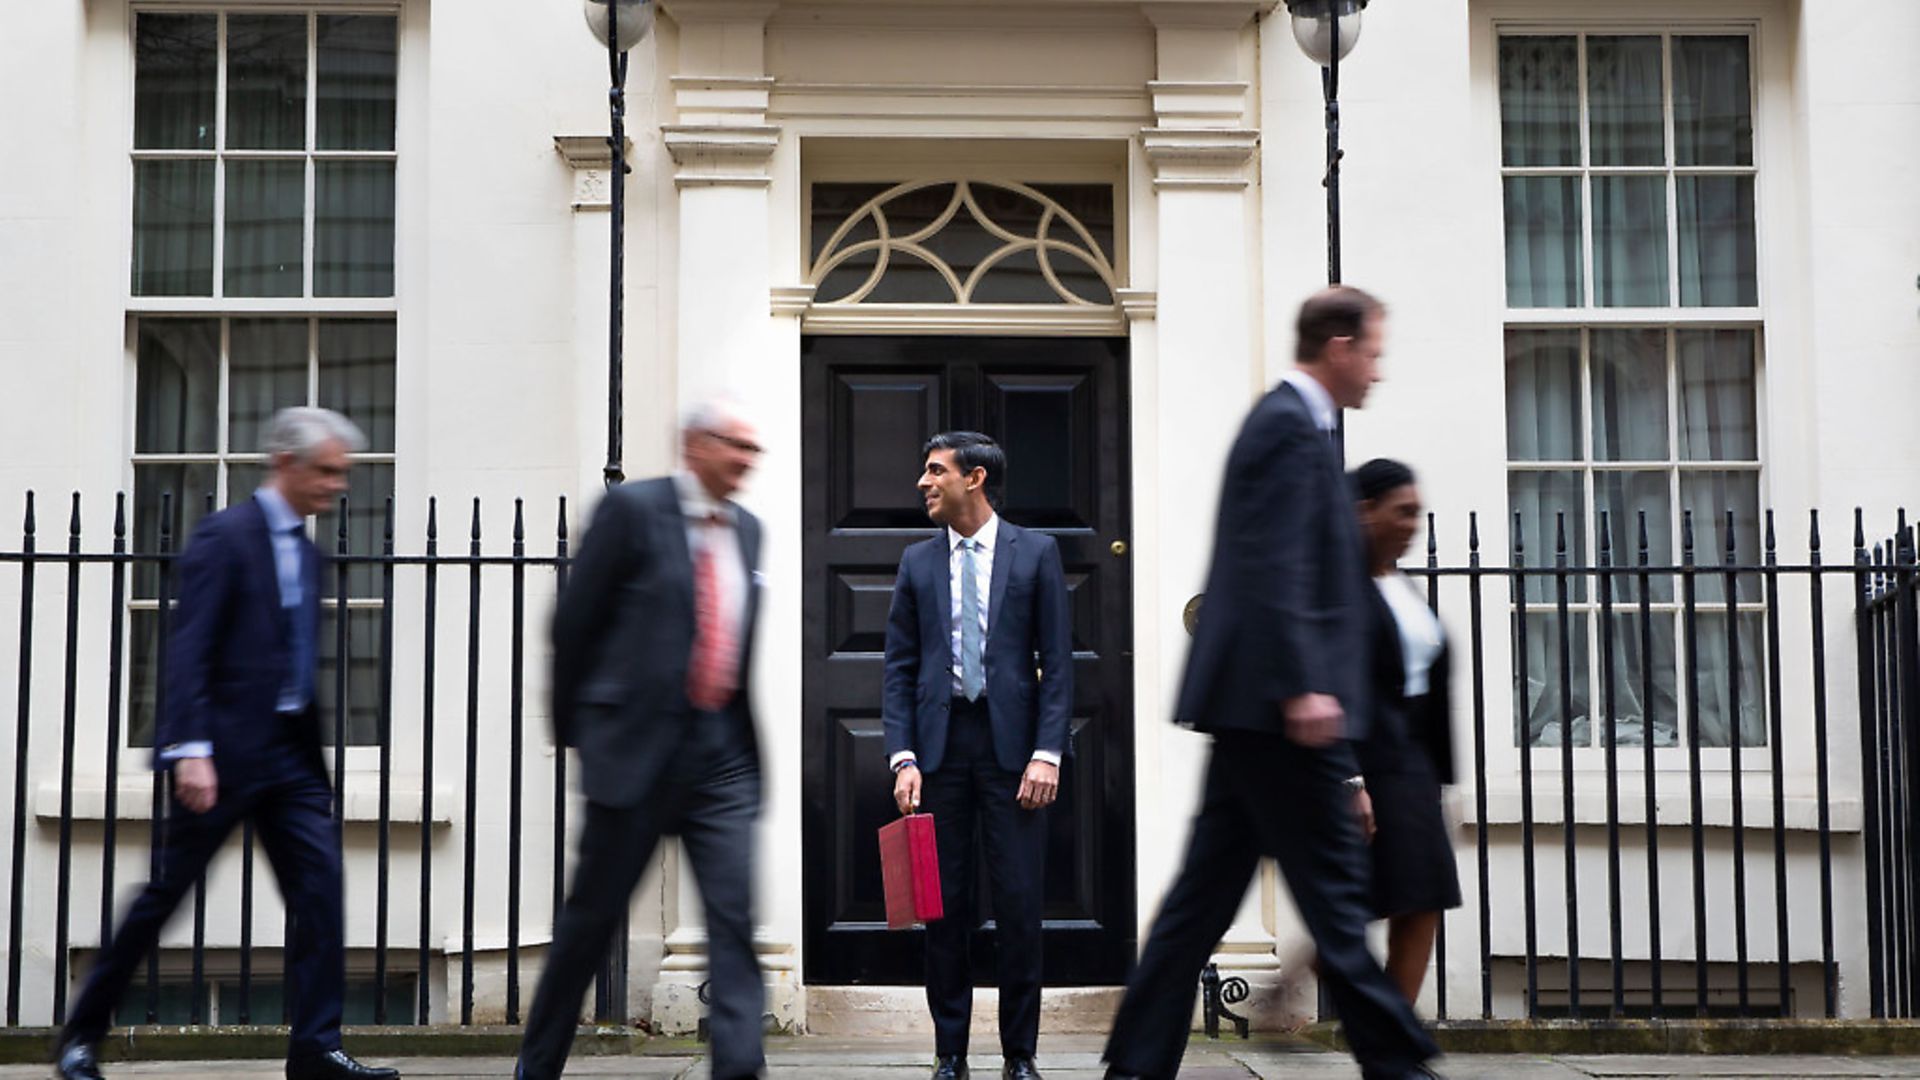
(1327, 30)
(619, 25)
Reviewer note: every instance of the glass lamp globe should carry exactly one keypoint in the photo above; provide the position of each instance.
(634, 18)
(1313, 22)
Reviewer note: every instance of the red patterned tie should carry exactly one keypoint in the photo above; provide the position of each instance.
(711, 677)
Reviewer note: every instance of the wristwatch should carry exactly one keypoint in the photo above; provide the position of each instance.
(1355, 784)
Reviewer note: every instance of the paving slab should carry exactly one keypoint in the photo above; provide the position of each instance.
(1063, 1058)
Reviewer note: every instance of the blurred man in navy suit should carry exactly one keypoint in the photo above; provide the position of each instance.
(239, 731)
(977, 692)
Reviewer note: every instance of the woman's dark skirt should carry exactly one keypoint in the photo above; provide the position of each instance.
(1413, 865)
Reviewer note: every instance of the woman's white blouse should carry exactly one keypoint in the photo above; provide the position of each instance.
(1420, 633)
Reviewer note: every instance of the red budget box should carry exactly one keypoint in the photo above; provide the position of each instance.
(910, 871)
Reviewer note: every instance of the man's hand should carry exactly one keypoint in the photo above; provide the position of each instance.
(1039, 785)
(195, 783)
(1315, 721)
(1363, 809)
(906, 788)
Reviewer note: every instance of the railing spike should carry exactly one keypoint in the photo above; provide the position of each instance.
(1519, 535)
(1813, 530)
(476, 519)
(386, 529)
(561, 528)
(120, 515)
(1473, 532)
(27, 526)
(73, 519)
(433, 518)
(519, 521)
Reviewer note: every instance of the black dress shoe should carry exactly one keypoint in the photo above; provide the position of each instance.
(336, 1065)
(1019, 1068)
(1116, 1074)
(76, 1062)
(950, 1067)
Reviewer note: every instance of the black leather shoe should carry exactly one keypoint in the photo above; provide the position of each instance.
(1425, 1072)
(76, 1062)
(1019, 1068)
(336, 1065)
(950, 1067)
(1116, 1074)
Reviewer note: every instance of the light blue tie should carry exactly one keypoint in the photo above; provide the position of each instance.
(973, 678)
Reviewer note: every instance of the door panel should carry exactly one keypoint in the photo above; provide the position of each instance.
(1059, 407)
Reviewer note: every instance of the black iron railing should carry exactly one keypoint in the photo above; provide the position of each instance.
(1598, 709)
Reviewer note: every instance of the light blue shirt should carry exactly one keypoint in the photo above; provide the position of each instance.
(281, 523)
(1326, 414)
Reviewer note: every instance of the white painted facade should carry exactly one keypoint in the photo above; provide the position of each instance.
(1208, 121)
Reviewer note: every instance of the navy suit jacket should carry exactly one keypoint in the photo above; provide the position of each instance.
(230, 644)
(1027, 629)
(623, 636)
(1286, 610)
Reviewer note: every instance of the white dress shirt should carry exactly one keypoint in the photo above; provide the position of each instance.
(730, 574)
(987, 538)
(1320, 403)
(1420, 634)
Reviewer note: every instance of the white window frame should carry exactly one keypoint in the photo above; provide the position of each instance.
(1590, 757)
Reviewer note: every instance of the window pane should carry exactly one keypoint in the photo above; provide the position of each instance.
(1710, 495)
(1623, 101)
(356, 65)
(362, 697)
(1712, 101)
(265, 203)
(243, 479)
(176, 68)
(1550, 506)
(191, 487)
(1543, 241)
(353, 228)
(143, 706)
(1630, 241)
(1543, 395)
(1629, 395)
(266, 372)
(179, 387)
(370, 485)
(1719, 264)
(1720, 680)
(356, 376)
(1540, 711)
(1539, 101)
(1643, 648)
(1624, 496)
(1718, 411)
(172, 228)
(266, 82)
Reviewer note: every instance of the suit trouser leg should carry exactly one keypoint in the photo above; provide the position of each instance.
(297, 831)
(717, 832)
(1304, 818)
(191, 840)
(1150, 1030)
(615, 845)
(1015, 842)
(948, 795)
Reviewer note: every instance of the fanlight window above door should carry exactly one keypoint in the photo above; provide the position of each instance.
(962, 242)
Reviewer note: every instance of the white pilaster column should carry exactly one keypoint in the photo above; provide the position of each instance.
(1203, 168)
(728, 342)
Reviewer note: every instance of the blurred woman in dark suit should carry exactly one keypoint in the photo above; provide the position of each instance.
(1408, 752)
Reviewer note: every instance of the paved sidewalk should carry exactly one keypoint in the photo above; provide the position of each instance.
(1063, 1058)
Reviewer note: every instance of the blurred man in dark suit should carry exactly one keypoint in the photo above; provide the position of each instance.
(1278, 676)
(977, 691)
(238, 729)
(652, 644)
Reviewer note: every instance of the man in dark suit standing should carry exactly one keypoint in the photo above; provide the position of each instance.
(652, 644)
(1277, 674)
(976, 696)
(238, 729)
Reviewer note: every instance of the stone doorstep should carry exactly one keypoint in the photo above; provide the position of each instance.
(863, 1011)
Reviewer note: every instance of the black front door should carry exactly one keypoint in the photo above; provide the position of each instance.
(1059, 407)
